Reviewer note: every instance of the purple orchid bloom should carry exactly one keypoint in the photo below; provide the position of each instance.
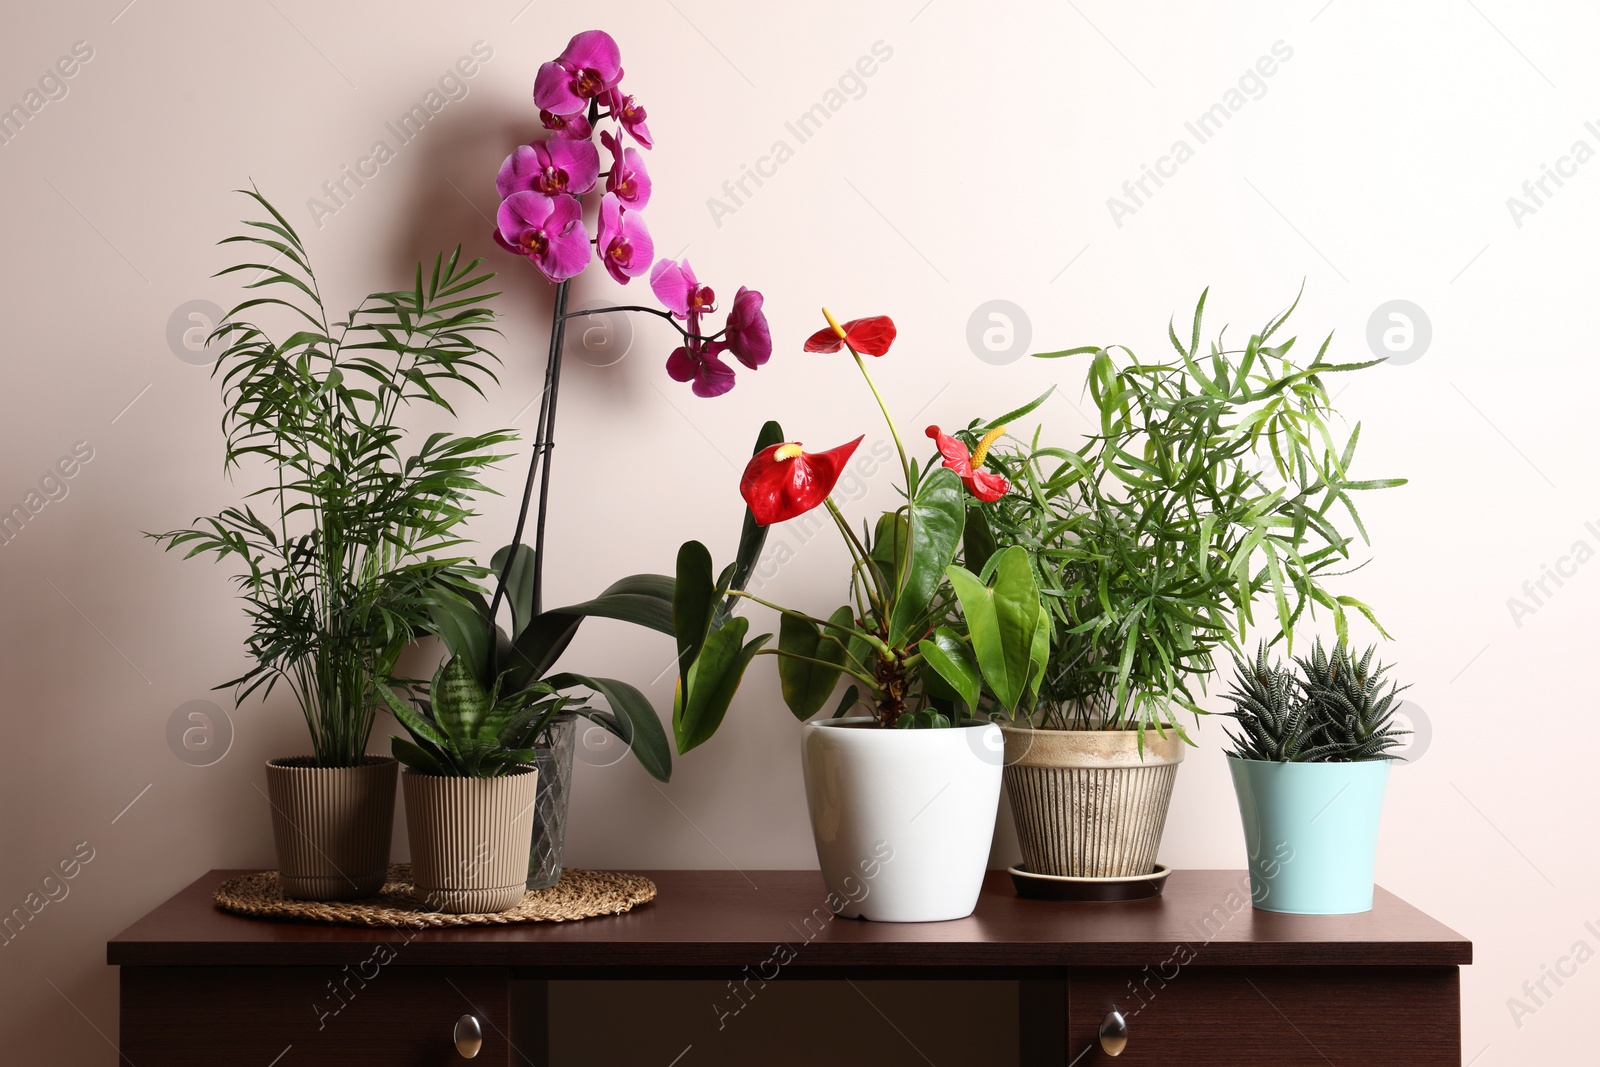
(573, 127)
(748, 336)
(624, 244)
(627, 178)
(630, 115)
(697, 362)
(550, 167)
(589, 66)
(681, 292)
(547, 230)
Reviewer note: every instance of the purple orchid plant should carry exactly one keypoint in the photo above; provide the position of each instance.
(542, 187)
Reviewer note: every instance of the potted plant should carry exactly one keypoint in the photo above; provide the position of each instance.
(1309, 767)
(469, 788)
(902, 800)
(337, 570)
(1211, 480)
(546, 189)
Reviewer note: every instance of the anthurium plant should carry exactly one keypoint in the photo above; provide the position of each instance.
(921, 635)
(1213, 486)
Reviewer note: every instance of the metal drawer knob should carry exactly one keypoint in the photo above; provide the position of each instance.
(468, 1037)
(1114, 1034)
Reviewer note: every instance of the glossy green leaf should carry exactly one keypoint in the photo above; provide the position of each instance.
(703, 699)
(978, 544)
(1003, 620)
(752, 536)
(811, 662)
(951, 659)
(634, 721)
(519, 584)
(938, 518)
(693, 601)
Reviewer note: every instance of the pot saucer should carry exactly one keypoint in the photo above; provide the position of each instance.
(1089, 890)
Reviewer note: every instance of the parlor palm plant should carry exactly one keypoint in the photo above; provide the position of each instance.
(353, 519)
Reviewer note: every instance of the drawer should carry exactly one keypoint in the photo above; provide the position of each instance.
(364, 1012)
(1269, 1016)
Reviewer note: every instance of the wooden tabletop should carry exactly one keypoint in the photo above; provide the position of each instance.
(720, 919)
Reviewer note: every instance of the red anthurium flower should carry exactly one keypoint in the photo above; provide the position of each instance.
(872, 336)
(550, 167)
(627, 177)
(985, 485)
(631, 115)
(589, 66)
(698, 362)
(624, 244)
(575, 127)
(782, 482)
(548, 230)
(748, 336)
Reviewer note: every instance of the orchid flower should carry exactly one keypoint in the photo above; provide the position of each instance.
(587, 68)
(748, 336)
(782, 481)
(550, 167)
(547, 230)
(630, 115)
(681, 293)
(575, 126)
(985, 485)
(623, 242)
(627, 177)
(697, 361)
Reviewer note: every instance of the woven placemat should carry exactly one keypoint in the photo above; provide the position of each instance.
(578, 895)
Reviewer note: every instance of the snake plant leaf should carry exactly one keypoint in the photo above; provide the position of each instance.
(459, 703)
(633, 720)
(703, 698)
(1003, 619)
(951, 659)
(407, 716)
(937, 520)
(418, 758)
(810, 668)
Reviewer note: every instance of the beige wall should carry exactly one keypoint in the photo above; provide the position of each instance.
(976, 164)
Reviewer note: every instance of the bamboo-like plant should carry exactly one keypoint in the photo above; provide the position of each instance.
(338, 568)
(1213, 481)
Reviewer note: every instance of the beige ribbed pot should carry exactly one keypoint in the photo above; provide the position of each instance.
(470, 839)
(1086, 805)
(331, 826)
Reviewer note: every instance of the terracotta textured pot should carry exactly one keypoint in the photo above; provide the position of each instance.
(331, 826)
(470, 839)
(1085, 803)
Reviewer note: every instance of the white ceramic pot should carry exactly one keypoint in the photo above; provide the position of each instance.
(903, 819)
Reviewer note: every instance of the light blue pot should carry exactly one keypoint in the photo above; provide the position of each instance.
(1312, 832)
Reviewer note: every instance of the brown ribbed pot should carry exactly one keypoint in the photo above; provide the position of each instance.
(1086, 803)
(331, 826)
(470, 839)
